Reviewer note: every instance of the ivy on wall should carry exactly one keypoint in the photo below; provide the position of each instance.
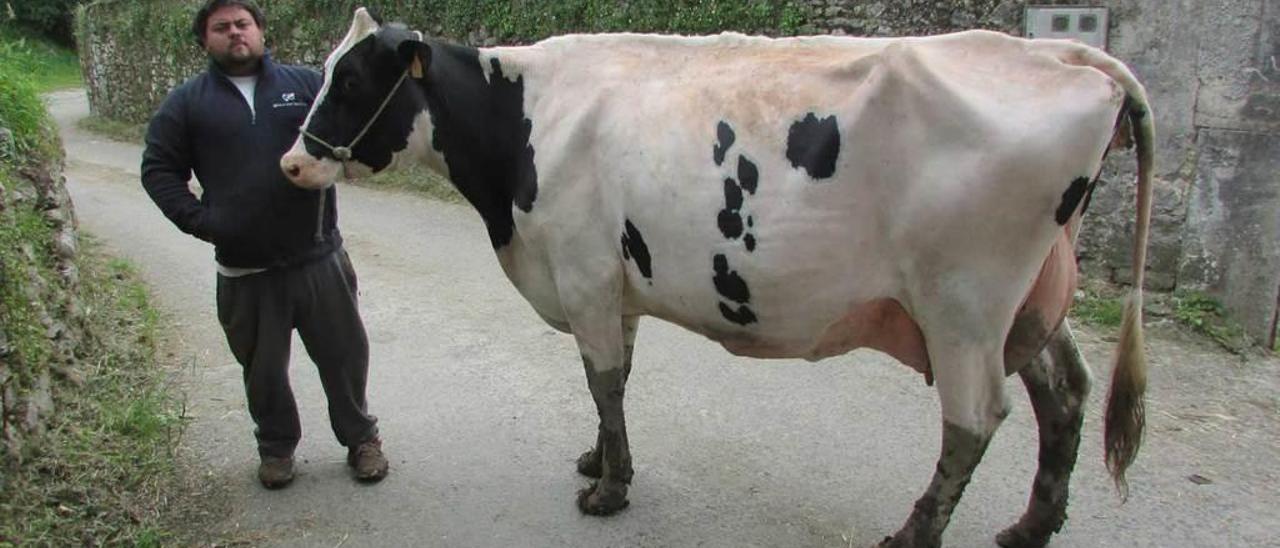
(134, 51)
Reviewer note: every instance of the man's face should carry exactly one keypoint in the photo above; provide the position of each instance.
(234, 41)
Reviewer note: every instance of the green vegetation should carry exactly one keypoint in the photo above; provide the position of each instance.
(1098, 305)
(520, 22)
(50, 19)
(1206, 315)
(156, 33)
(21, 111)
(1102, 305)
(90, 427)
(113, 129)
(46, 66)
(418, 180)
(104, 471)
(21, 232)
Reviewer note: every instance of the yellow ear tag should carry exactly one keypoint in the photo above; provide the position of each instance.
(415, 69)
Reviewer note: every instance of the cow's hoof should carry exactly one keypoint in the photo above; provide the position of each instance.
(905, 541)
(589, 464)
(1019, 536)
(596, 501)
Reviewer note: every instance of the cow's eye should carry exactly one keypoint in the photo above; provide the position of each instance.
(348, 86)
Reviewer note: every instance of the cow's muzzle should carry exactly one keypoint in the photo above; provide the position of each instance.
(307, 171)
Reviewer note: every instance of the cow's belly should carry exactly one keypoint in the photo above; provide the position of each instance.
(881, 324)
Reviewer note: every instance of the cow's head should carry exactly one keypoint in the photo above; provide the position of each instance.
(371, 111)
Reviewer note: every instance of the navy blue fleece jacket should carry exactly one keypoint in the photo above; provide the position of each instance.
(250, 212)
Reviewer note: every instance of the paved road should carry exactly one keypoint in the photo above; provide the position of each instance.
(483, 410)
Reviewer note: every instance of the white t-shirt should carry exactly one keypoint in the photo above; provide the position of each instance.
(246, 84)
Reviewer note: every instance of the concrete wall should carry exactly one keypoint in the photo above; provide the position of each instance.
(1210, 68)
(1232, 235)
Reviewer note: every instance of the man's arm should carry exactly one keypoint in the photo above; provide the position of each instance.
(166, 169)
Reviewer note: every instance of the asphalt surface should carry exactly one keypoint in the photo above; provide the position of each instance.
(483, 409)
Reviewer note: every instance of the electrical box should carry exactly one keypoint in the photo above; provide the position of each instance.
(1088, 25)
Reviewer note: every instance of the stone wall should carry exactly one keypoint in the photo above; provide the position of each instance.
(42, 333)
(1210, 70)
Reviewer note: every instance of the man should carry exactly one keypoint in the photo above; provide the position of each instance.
(280, 260)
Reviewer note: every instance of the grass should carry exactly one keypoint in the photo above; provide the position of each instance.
(113, 129)
(418, 180)
(1207, 316)
(1098, 304)
(105, 472)
(1102, 305)
(47, 66)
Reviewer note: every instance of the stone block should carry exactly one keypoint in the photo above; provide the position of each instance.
(1232, 233)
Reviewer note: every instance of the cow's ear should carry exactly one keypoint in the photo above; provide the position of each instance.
(416, 56)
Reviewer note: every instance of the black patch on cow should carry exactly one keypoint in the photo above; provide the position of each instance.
(361, 80)
(814, 145)
(748, 174)
(1071, 198)
(731, 286)
(526, 188)
(730, 223)
(728, 283)
(633, 247)
(724, 140)
(729, 219)
(750, 241)
(732, 194)
(741, 316)
(480, 125)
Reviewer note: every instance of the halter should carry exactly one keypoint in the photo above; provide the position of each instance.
(342, 154)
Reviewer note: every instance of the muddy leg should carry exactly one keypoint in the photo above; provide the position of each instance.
(589, 462)
(1057, 382)
(603, 356)
(973, 405)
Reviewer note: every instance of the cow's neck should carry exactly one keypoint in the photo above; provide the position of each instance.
(481, 130)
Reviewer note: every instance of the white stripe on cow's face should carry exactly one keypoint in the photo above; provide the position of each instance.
(316, 172)
(363, 26)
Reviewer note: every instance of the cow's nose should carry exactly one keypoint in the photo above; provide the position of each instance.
(291, 168)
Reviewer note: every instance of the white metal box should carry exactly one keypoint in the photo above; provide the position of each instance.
(1088, 25)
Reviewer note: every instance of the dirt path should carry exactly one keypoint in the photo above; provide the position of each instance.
(483, 409)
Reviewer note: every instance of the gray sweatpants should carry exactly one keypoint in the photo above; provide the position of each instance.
(259, 312)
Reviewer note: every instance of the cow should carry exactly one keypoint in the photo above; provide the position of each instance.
(786, 198)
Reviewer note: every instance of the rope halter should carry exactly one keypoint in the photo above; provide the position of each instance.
(343, 154)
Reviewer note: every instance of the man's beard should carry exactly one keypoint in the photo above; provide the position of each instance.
(233, 63)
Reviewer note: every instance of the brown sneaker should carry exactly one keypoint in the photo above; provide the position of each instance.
(275, 472)
(367, 459)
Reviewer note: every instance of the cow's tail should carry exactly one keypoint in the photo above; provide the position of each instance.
(1125, 413)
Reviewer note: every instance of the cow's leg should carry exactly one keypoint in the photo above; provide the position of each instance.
(589, 463)
(969, 371)
(598, 328)
(1058, 383)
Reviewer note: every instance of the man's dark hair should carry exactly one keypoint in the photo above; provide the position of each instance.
(210, 6)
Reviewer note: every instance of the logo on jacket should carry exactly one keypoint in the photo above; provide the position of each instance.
(289, 99)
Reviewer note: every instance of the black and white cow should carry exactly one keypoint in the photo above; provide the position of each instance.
(796, 197)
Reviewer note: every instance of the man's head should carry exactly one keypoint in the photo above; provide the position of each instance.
(230, 31)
